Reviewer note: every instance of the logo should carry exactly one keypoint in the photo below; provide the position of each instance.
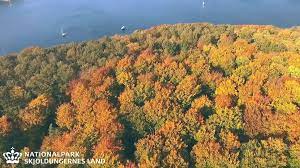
(48, 158)
(12, 156)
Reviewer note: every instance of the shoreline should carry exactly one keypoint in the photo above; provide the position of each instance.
(147, 29)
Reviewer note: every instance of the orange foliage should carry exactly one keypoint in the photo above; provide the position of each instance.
(162, 105)
(223, 101)
(230, 141)
(244, 50)
(146, 61)
(106, 122)
(67, 142)
(188, 89)
(90, 118)
(195, 113)
(165, 148)
(257, 115)
(36, 111)
(86, 100)
(5, 126)
(65, 116)
(223, 57)
(133, 48)
(213, 154)
(108, 149)
(125, 64)
(170, 70)
(227, 96)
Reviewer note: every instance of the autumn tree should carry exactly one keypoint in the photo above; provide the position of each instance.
(36, 112)
(91, 117)
(165, 148)
(265, 153)
(5, 125)
(211, 151)
(184, 95)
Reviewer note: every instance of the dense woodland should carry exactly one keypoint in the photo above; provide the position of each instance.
(185, 95)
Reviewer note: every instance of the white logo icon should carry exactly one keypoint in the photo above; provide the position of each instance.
(12, 156)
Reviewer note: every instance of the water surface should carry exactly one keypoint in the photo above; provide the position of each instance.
(24, 23)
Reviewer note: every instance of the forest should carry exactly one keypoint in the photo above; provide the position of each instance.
(185, 95)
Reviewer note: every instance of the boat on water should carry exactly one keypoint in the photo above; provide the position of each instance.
(63, 34)
(123, 28)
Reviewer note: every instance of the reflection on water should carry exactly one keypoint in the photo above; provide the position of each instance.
(39, 22)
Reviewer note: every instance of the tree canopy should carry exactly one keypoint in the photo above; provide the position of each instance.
(185, 95)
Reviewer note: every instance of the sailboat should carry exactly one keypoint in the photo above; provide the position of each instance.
(123, 28)
(203, 4)
(63, 34)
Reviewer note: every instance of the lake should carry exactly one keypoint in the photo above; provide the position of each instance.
(25, 23)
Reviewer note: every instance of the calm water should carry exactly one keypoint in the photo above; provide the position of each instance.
(39, 22)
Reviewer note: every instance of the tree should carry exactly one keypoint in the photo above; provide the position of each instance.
(265, 153)
(65, 116)
(294, 152)
(185, 95)
(91, 117)
(165, 148)
(5, 126)
(208, 152)
(187, 90)
(162, 107)
(170, 71)
(223, 58)
(36, 112)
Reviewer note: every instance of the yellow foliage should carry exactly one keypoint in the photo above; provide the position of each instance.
(36, 112)
(17, 92)
(226, 87)
(65, 116)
